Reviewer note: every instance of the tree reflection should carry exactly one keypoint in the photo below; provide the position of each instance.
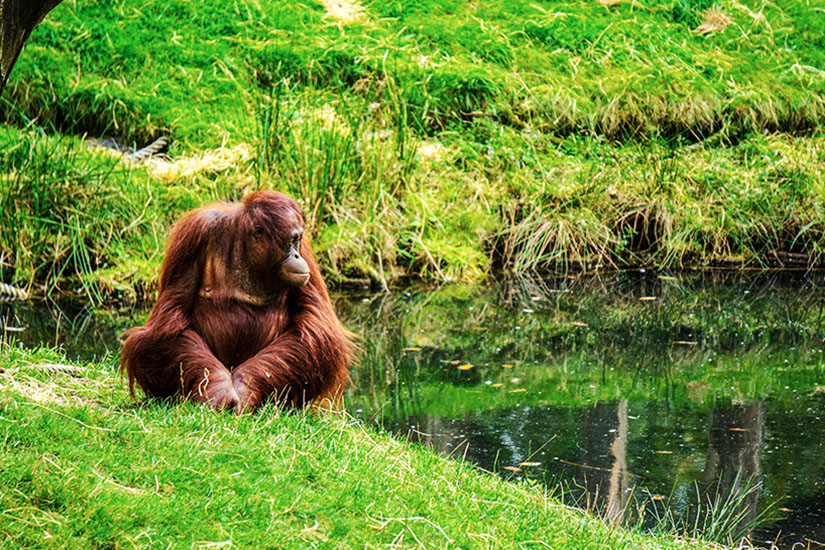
(604, 459)
(730, 487)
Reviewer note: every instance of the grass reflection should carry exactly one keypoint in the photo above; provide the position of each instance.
(579, 343)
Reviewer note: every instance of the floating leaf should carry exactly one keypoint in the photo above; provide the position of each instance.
(520, 390)
(455, 362)
(657, 497)
(498, 385)
(465, 366)
(507, 366)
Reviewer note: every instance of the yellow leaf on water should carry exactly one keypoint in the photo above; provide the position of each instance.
(455, 362)
(520, 390)
(498, 385)
(507, 366)
(465, 366)
(657, 497)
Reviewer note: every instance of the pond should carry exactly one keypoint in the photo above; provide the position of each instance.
(689, 401)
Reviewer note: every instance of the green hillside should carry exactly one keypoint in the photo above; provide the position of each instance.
(436, 140)
(85, 467)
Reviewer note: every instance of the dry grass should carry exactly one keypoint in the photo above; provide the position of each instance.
(714, 21)
(209, 161)
(345, 11)
(66, 385)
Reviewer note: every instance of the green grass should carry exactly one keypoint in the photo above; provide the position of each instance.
(432, 140)
(85, 466)
(76, 220)
(625, 70)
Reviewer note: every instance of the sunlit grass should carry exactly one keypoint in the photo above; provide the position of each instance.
(688, 68)
(83, 465)
(429, 140)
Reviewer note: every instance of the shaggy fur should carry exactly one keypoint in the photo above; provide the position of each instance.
(230, 328)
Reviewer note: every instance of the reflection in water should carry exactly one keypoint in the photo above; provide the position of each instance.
(624, 391)
(672, 387)
(604, 455)
(727, 504)
(449, 436)
(731, 482)
(85, 333)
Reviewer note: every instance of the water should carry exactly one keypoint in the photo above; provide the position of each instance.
(637, 391)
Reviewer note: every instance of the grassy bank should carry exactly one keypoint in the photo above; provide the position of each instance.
(435, 140)
(84, 466)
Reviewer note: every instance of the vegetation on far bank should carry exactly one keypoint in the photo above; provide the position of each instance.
(433, 140)
(84, 466)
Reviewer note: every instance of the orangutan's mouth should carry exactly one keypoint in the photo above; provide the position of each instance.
(299, 277)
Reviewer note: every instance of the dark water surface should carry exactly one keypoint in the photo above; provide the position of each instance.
(699, 399)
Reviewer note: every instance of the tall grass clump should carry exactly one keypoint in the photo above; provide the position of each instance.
(365, 185)
(53, 200)
(79, 218)
(752, 203)
(723, 517)
(341, 166)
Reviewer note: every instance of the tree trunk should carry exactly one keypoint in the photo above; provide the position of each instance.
(18, 18)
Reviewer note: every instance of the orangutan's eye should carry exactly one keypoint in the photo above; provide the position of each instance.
(258, 233)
